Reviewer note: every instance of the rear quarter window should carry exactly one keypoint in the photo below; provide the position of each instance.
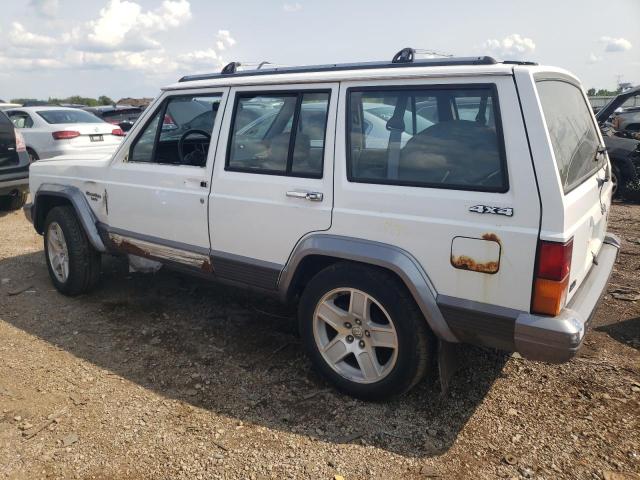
(572, 131)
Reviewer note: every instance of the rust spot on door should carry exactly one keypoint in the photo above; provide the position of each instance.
(128, 247)
(206, 266)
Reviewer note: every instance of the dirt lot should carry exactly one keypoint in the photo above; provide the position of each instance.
(168, 377)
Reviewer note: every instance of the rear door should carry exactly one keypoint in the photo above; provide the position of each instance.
(272, 181)
(580, 163)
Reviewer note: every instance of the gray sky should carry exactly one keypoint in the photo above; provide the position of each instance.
(132, 47)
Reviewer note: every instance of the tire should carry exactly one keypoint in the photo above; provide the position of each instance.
(391, 318)
(63, 233)
(619, 182)
(14, 202)
(33, 156)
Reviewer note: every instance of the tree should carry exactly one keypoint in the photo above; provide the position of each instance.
(104, 100)
(591, 92)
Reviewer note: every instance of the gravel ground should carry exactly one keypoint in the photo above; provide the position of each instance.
(168, 377)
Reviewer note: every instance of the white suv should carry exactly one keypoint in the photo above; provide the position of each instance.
(404, 206)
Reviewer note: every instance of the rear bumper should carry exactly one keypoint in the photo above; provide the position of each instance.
(557, 339)
(14, 185)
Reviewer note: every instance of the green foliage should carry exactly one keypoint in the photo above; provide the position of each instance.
(602, 92)
(75, 99)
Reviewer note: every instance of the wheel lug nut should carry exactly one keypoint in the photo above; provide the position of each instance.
(358, 321)
(367, 333)
(361, 343)
(349, 338)
(347, 325)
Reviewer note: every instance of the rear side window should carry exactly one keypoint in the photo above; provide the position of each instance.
(438, 137)
(279, 133)
(572, 131)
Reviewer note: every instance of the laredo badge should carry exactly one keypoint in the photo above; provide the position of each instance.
(507, 212)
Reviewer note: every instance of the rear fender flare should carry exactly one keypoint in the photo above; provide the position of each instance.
(392, 258)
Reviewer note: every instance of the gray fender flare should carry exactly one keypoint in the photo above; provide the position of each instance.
(390, 257)
(80, 204)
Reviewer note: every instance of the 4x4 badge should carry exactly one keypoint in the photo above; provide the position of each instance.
(494, 210)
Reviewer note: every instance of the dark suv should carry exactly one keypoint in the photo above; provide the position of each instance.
(14, 166)
(123, 116)
(623, 144)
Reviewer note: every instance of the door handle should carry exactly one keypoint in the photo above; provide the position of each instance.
(311, 196)
(195, 182)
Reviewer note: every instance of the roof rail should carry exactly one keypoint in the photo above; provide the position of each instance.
(405, 58)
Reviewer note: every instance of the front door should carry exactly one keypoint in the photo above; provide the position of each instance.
(273, 178)
(158, 182)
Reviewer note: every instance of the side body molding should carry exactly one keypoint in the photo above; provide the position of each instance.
(80, 204)
(393, 258)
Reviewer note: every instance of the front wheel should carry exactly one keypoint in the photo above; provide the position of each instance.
(363, 331)
(73, 264)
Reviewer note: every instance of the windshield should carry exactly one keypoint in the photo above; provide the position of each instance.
(572, 131)
(68, 116)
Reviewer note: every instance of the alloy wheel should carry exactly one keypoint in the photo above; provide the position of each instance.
(58, 252)
(355, 335)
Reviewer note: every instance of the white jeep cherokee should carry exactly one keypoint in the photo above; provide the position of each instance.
(405, 206)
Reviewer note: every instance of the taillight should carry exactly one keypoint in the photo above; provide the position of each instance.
(117, 132)
(552, 277)
(65, 134)
(20, 145)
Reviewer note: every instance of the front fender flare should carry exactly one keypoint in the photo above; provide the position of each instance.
(399, 261)
(86, 217)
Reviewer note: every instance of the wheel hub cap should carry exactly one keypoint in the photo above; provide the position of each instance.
(357, 332)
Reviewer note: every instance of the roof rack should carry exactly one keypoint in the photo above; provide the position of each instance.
(403, 59)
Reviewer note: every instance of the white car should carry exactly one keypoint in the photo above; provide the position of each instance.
(54, 131)
(404, 206)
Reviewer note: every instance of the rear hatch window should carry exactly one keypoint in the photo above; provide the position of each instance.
(56, 117)
(572, 131)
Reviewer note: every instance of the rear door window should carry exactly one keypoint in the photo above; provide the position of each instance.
(279, 133)
(572, 131)
(21, 119)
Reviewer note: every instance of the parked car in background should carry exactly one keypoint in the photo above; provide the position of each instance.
(14, 166)
(53, 131)
(622, 139)
(5, 106)
(123, 116)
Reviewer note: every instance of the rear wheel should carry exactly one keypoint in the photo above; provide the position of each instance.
(363, 331)
(73, 264)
